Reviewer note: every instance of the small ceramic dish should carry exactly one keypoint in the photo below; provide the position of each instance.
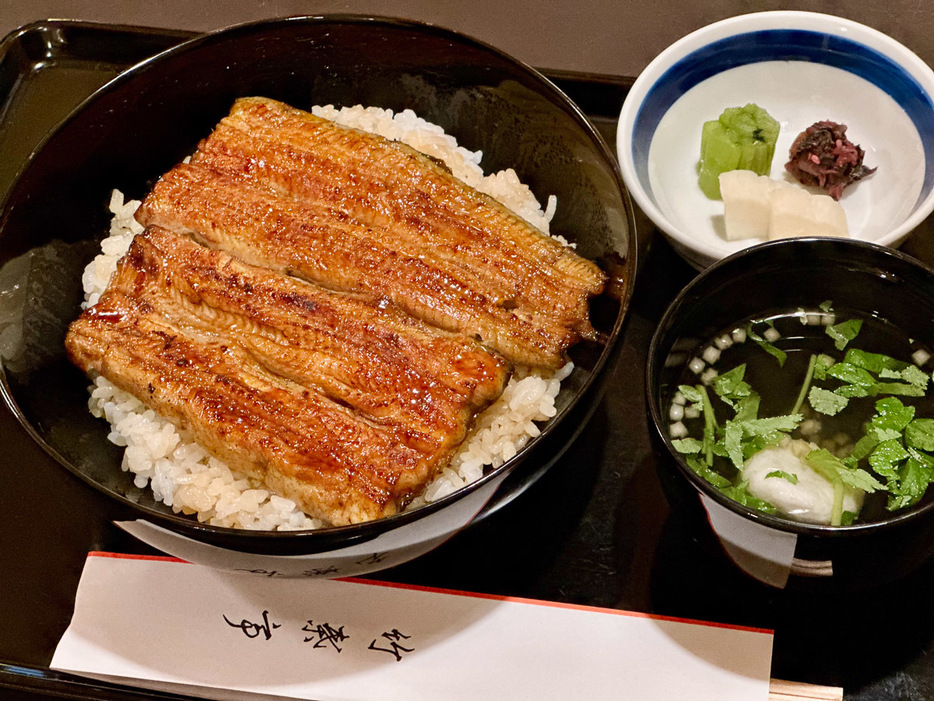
(801, 67)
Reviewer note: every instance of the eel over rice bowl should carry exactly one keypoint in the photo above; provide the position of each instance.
(539, 349)
(343, 356)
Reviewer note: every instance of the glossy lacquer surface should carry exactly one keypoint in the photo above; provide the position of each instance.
(151, 117)
(595, 529)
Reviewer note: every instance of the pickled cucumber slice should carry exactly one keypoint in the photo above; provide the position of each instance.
(742, 138)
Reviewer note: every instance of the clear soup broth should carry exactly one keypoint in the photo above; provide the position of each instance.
(810, 364)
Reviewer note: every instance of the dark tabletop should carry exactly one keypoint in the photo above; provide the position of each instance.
(594, 530)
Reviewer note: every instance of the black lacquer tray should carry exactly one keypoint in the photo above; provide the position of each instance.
(594, 530)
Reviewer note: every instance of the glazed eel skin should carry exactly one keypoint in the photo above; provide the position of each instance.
(345, 405)
(353, 211)
(326, 310)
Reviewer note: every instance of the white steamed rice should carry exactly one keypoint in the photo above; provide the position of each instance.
(183, 476)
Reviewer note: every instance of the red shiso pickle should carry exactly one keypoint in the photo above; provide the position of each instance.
(822, 156)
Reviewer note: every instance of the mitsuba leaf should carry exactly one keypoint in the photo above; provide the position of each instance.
(844, 332)
(899, 388)
(788, 422)
(860, 479)
(730, 385)
(920, 434)
(831, 467)
(744, 438)
(913, 480)
(873, 362)
(886, 457)
(690, 393)
(740, 493)
(687, 445)
(911, 374)
(892, 414)
(850, 391)
(915, 376)
(747, 408)
(733, 442)
(755, 444)
(926, 460)
(864, 446)
(822, 365)
(826, 402)
(768, 347)
(851, 374)
(883, 434)
(702, 469)
(710, 425)
(787, 476)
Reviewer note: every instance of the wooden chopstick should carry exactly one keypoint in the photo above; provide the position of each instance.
(780, 690)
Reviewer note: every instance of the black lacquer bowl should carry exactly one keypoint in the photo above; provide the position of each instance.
(786, 275)
(149, 118)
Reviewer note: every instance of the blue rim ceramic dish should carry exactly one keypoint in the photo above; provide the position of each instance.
(801, 67)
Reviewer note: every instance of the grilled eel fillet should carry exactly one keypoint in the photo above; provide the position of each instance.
(344, 405)
(352, 211)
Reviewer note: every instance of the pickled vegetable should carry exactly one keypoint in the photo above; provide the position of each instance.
(755, 206)
(823, 157)
(741, 138)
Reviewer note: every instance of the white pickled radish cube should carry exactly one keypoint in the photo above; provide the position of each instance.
(796, 212)
(746, 206)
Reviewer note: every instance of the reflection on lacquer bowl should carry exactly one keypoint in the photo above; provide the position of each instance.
(801, 67)
(764, 376)
(148, 119)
